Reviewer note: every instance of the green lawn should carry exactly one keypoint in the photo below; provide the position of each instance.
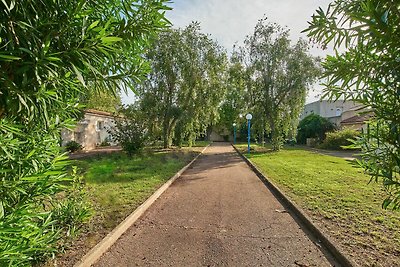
(336, 194)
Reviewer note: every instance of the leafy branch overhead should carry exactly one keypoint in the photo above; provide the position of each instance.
(55, 49)
(367, 71)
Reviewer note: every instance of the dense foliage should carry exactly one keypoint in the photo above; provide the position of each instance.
(102, 100)
(368, 71)
(341, 139)
(73, 146)
(313, 126)
(279, 75)
(186, 84)
(130, 130)
(51, 53)
(234, 102)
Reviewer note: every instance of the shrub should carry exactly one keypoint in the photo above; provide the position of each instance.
(130, 130)
(313, 126)
(340, 139)
(73, 146)
(105, 143)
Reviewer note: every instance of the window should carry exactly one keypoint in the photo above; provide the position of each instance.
(99, 126)
(78, 136)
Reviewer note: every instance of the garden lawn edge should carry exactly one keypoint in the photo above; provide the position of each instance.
(323, 240)
(97, 251)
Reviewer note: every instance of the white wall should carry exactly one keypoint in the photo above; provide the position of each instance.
(87, 132)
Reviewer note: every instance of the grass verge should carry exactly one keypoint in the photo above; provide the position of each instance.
(117, 185)
(336, 195)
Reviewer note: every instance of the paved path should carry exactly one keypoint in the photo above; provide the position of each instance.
(217, 214)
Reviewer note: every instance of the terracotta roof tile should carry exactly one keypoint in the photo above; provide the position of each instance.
(358, 118)
(99, 112)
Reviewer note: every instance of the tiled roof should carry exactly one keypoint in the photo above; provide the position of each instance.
(358, 118)
(99, 112)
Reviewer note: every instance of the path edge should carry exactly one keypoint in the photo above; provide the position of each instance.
(329, 245)
(105, 244)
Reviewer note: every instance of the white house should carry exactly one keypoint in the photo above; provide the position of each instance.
(331, 110)
(91, 131)
(356, 118)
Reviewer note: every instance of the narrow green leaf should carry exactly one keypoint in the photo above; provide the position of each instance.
(110, 39)
(1, 209)
(9, 57)
(79, 75)
(94, 24)
(46, 45)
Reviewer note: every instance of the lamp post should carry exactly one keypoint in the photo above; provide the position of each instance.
(234, 133)
(248, 117)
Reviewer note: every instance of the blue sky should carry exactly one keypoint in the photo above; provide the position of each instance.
(229, 21)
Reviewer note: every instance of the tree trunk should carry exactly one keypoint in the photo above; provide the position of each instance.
(166, 134)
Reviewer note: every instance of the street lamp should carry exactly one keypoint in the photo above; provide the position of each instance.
(248, 117)
(234, 133)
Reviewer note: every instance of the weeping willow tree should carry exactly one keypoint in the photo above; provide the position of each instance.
(186, 84)
(51, 53)
(279, 76)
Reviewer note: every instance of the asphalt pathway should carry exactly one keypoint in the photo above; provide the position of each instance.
(217, 214)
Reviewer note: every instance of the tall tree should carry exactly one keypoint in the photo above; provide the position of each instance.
(102, 100)
(51, 53)
(234, 102)
(279, 77)
(186, 85)
(366, 68)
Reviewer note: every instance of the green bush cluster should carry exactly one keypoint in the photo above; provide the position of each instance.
(73, 146)
(313, 126)
(341, 139)
(130, 130)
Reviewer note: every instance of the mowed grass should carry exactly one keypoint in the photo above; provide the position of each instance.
(118, 184)
(336, 194)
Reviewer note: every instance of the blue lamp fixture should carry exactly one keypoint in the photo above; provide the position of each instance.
(248, 117)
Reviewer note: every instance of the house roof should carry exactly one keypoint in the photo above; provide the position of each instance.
(361, 118)
(357, 108)
(99, 112)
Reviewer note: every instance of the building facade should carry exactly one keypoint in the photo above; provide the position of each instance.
(91, 131)
(331, 110)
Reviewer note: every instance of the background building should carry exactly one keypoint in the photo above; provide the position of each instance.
(91, 131)
(331, 110)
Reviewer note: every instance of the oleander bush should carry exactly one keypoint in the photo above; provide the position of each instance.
(51, 54)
